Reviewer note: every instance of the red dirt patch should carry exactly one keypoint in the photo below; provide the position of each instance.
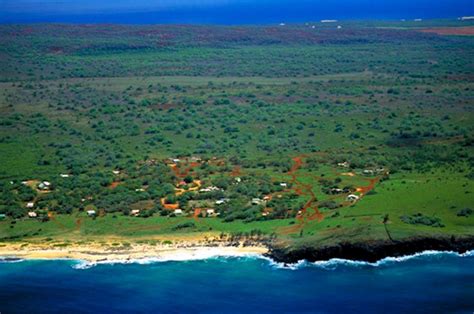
(236, 172)
(114, 184)
(196, 214)
(78, 224)
(459, 31)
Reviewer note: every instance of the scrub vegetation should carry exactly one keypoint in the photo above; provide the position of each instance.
(312, 133)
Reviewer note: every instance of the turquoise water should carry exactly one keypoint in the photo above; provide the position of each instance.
(430, 283)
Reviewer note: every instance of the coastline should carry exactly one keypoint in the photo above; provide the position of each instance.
(100, 252)
(370, 251)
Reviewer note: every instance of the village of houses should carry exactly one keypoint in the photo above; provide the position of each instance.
(211, 207)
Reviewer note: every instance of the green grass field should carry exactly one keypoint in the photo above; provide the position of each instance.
(283, 126)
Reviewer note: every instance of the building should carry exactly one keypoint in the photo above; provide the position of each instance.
(32, 214)
(352, 198)
(368, 172)
(45, 185)
(210, 211)
(135, 212)
(2, 216)
(210, 189)
(178, 211)
(91, 213)
(344, 164)
(222, 201)
(30, 205)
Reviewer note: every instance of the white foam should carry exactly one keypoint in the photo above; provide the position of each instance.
(333, 263)
(10, 260)
(216, 253)
(336, 262)
(179, 256)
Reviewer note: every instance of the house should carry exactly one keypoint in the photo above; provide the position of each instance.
(91, 213)
(352, 198)
(64, 175)
(210, 211)
(45, 185)
(210, 189)
(238, 180)
(195, 159)
(135, 212)
(178, 211)
(267, 197)
(222, 201)
(2, 216)
(116, 172)
(283, 184)
(139, 190)
(256, 201)
(32, 214)
(368, 172)
(344, 164)
(30, 205)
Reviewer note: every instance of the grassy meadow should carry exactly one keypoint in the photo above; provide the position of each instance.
(311, 135)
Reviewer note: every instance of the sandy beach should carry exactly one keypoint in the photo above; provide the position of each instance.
(110, 251)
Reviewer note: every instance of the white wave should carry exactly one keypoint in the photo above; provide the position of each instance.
(333, 263)
(216, 254)
(192, 255)
(10, 259)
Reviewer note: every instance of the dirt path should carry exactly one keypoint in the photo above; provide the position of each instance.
(78, 224)
(182, 173)
(236, 172)
(306, 190)
(196, 214)
(52, 217)
(310, 211)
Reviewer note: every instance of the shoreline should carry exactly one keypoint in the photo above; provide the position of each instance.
(369, 252)
(95, 254)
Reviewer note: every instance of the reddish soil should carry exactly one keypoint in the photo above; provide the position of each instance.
(169, 206)
(114, 184)
(185, 172)
(196, 214)
(236, 172)
(52, 217)
(78, 224)
(463, 31)
(302, 190)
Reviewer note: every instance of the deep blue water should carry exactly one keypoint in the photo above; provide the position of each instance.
(428, 284)
(226, 11)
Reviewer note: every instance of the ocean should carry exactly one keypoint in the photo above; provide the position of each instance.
(425, 283)
(229, 12)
